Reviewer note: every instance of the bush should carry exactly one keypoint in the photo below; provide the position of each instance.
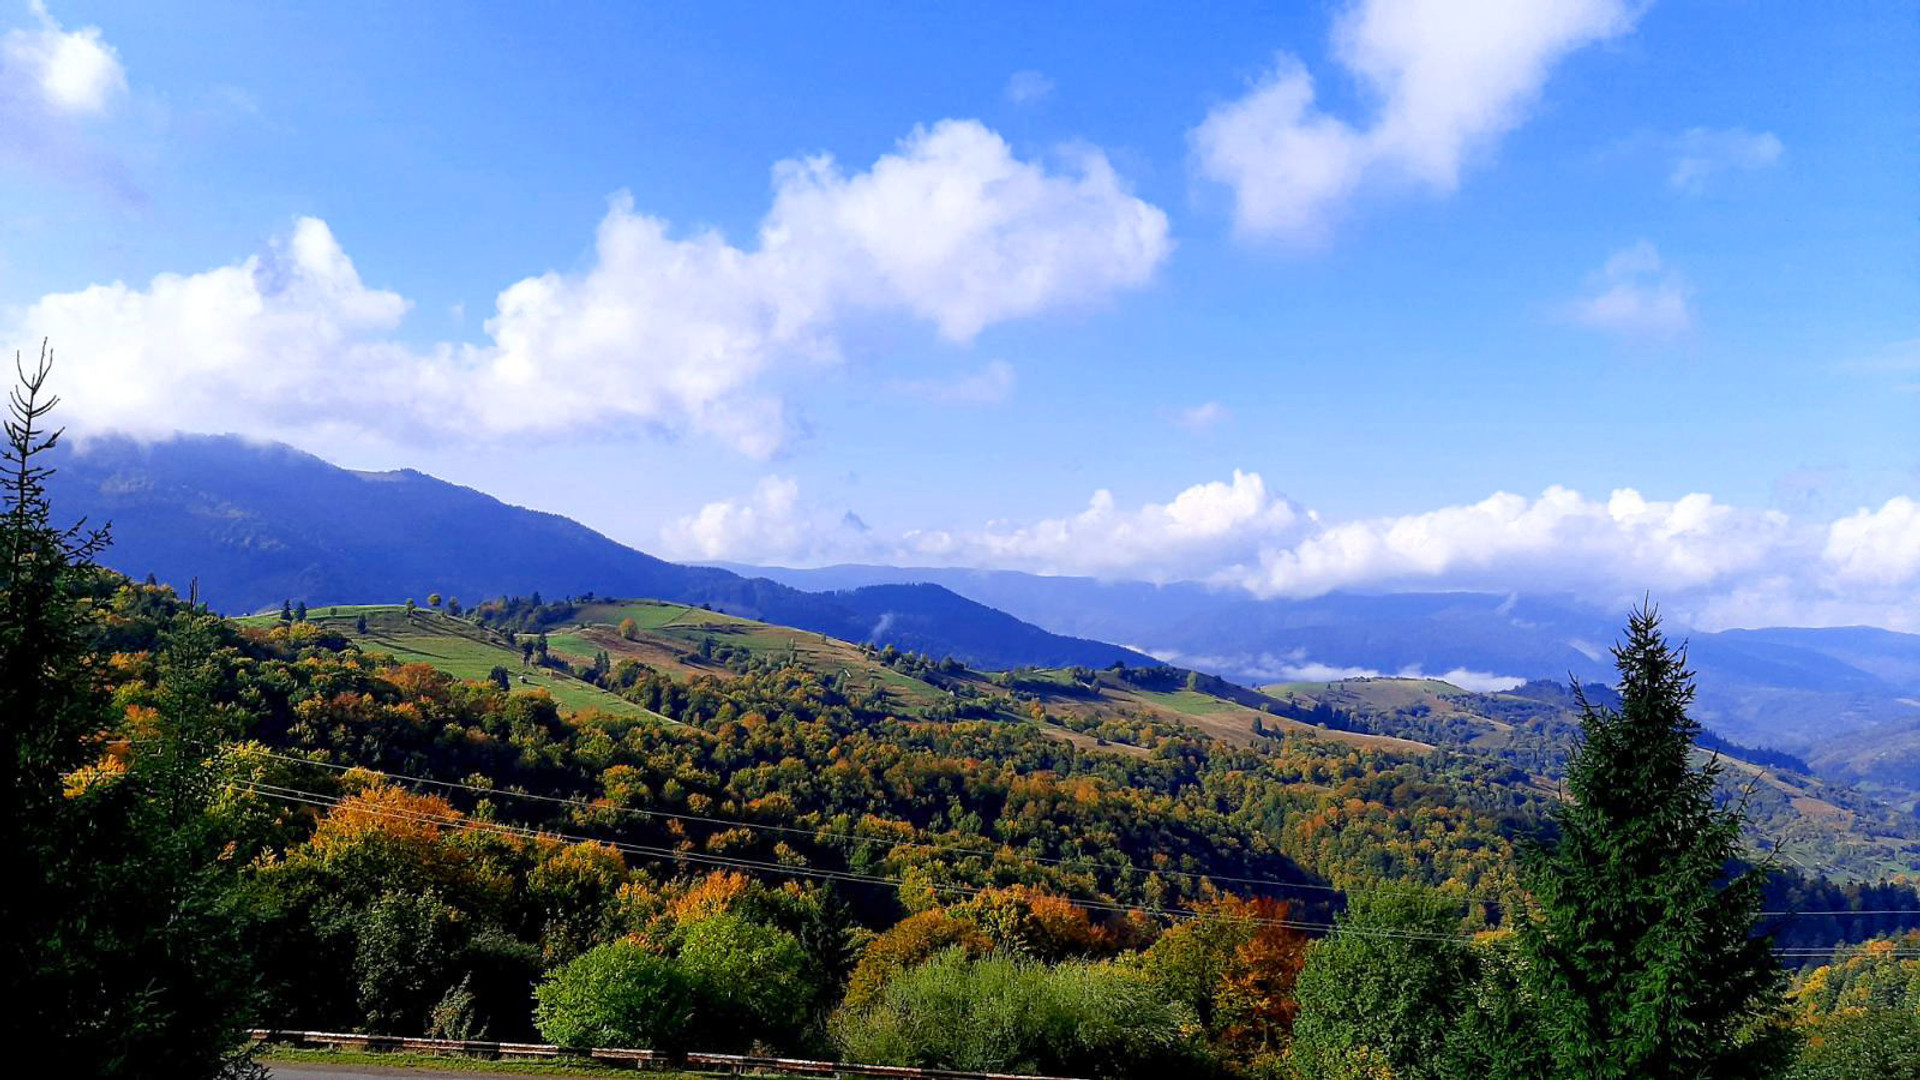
(750, 980)
(1000, 1014)
(1867, 1044)
(615, 995)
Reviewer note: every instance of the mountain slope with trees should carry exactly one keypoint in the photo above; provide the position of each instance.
(258, 524)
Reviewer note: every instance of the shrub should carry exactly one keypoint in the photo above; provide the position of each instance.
(1002, 1014)
(1864, 1044)
(615, 995)
(747, 977)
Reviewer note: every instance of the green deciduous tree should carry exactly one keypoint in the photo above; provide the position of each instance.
(617, 995)
(1642, 952)
(747, 977)
(1005, 1014)
(1385, 988)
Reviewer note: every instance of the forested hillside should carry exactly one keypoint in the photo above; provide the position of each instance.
(637, 822)
(412, 851)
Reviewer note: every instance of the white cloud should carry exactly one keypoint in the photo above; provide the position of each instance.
(1877, 547)
(1028, 86)
(1203, 417)
(1637, 295)
(58, 94)
(1204, 526)
(1702, 152)
(1711, 564)
(1564, 540)
(990, 385)
(953, 228)
(770, 526)
(672, 332)
(266, 341)
(1450, 77)
(56, 71)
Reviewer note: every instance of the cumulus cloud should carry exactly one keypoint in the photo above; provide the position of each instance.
(54, 71)
(1449, 79)
(1702, 152)
(1712, 564)
(1207, 525)
(772, 525)
(1560, 539)
(1024, 87)
(59, 90)
(675, 332)
(990, 385)
(1637, 295)
(1202, 528)
(272, 338)
(1203, 417)
(1877, 547)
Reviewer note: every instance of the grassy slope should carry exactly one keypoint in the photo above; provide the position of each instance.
(667, 637)
(459, 648)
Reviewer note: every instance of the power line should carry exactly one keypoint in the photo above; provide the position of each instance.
(317, 799)
(820, 835)
(995, 854)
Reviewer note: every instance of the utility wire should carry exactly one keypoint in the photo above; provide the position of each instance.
(318, 799)
(820, 835)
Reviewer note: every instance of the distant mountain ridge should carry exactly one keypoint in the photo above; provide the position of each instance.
(1789, 688)
(256, 524)
(260, 523)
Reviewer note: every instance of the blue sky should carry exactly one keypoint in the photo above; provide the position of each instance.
(1391, 258)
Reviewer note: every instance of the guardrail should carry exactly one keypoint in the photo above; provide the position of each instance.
(638, 1059)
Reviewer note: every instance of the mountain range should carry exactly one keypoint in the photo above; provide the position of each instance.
(257, 524)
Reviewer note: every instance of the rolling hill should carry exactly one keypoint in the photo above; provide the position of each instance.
(1792, 688)
(1835, 829)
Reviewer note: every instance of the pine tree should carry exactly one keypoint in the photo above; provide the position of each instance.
(51, 700)
(1641, 949)
(119, 947)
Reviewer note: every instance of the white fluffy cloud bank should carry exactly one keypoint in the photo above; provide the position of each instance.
(1713, 564)
(1449, 78)
(662, 330)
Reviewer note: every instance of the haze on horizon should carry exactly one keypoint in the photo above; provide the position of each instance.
(1583, 296)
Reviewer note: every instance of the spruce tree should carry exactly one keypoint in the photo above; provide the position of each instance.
(1640, 947)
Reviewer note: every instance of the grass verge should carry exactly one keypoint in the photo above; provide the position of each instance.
(295, 1055)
